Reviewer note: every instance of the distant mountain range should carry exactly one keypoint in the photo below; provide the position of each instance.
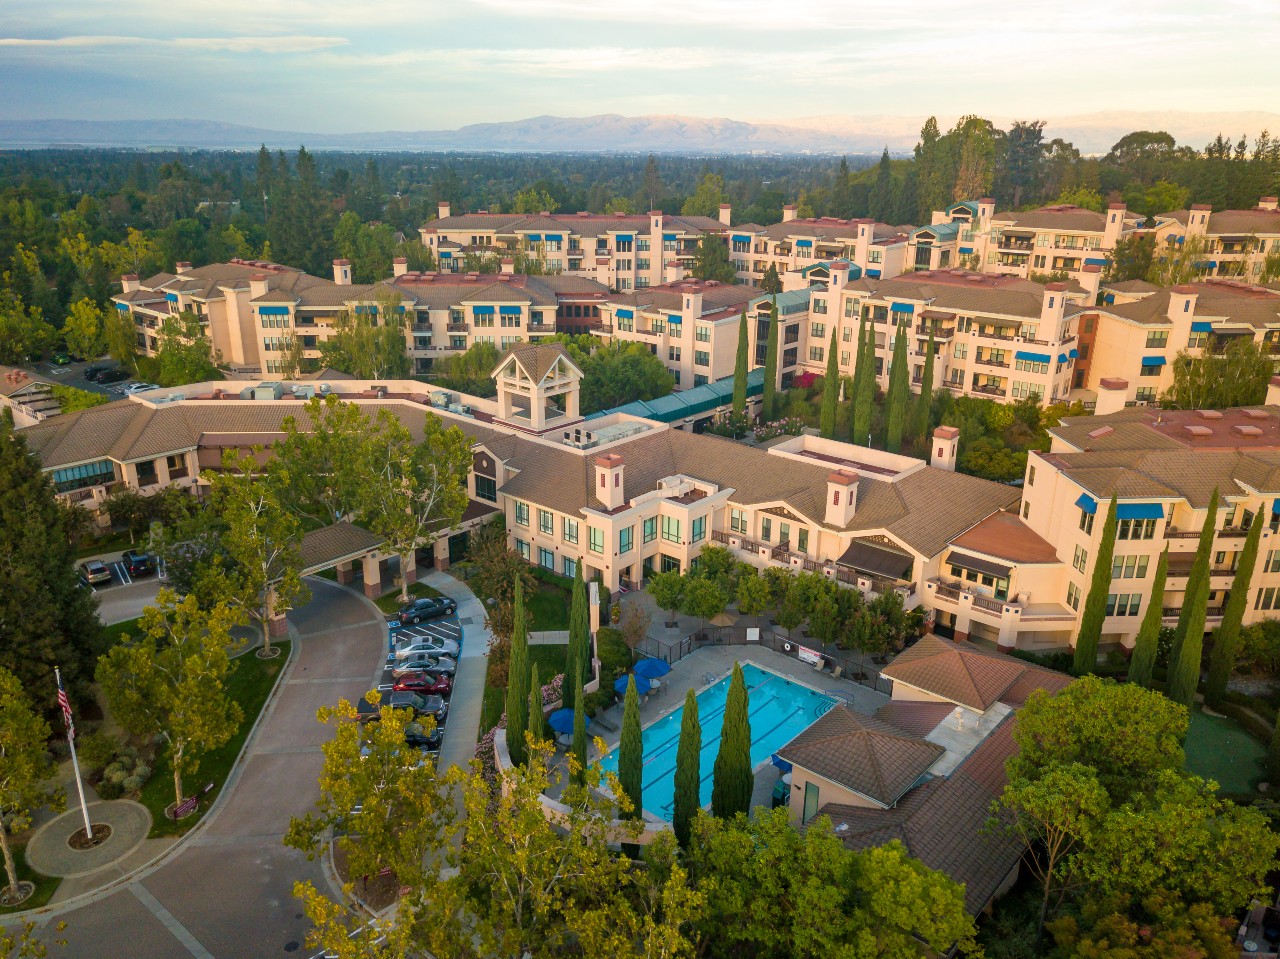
(611, 133)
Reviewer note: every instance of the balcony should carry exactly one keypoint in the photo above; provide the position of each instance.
(1015, 243)
(422, 328)
(989, 390)
(993, 335)
(458, 327)
(939, 333)
(1034, 341)
(1229, 532)
(987, 361)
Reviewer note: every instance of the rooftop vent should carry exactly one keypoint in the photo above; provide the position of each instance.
(1244, 429)
(1257, 414)
(1198, 431)
(1100, 432)
(1209, 414)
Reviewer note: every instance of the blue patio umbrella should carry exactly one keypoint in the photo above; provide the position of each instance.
(561, 720)
(652, 668)
(642, 685)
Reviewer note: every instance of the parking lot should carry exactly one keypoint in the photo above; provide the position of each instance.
(120, 576)
(447, 627)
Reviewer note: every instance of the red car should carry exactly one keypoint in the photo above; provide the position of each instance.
(424, 682)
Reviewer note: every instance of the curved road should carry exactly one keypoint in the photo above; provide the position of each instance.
(227, 892)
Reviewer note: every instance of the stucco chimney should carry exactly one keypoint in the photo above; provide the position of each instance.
(1273, 391)
(788, 213)
(1267, 203)
(182, 267)
(726, 213)
(1052, 306)
(1113, 392)
(946, 445)
(129, 282)
(257, 286)
(342, 272)
(1198, 219)
(399, 266)
(1114, 227)
(1182, 302)
(442, 211)
(986, 210)
(609, 483)
(842, 498)
(508, 265)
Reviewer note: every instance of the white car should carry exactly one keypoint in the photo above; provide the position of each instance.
(424, 661)
(431, 645)
(139, 388)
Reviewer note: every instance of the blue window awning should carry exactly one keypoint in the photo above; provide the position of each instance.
(741, 238)
(123, 307)
(374, 310)
(1033, 357)
(171, 297)
(903, 308)
(804, 243)
(1062, 357)
(509, 310)
(670, 236)
(625, 237)
(966, 250)
(1182, 239)
(273, 310)
(1275, 505)
(1201, 326)
(535, 237)
(1139, 511)
(1109, 298)
(445, 255)
(482, 310)
(1073, 353)
(624, 314)
(1153, 361)
(1087, 503)
(874, 274)
(554, 237)
(1095, 261)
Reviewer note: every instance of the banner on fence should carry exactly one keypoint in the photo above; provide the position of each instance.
(810, 656)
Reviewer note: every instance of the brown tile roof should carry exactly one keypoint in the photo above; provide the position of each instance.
(536, 359)
(670, 296)
(330, 544)
(962, 673)
(1060, 217)
(913, 718)
(9, 385)
(962, 292)
(1187, 474)
(1006, 536)
(858, 752)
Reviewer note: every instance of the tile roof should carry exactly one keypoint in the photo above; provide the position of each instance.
(9, 385)
(1059, 217)
(962, 292)
(537, 359)
(1005, 535)
(863, 754)
(962, 673)
(913, 718)
(329, 544)
(670, 296)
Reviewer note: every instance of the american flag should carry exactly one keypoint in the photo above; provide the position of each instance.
(66, 706)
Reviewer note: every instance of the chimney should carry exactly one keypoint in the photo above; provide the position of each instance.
(399, 266)
(1113, 392)
(1273, 391)
(842, 498)
(726, 213)
(609, 485)
(1182, 302)
(342, 272)
(257, 286)
(986, 210)
(182, 267)
(1198, 219)
(946, 444)
(443, 210)
(508, 265)
(1114, 227)
(1267, 203)
(1052, 306)
(129, 282)
(788, 213)
(862, 245)
(655, 224)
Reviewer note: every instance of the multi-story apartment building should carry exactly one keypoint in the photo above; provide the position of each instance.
(878, 250)
(1236, 241)
(621, 251)
(253, 311)
(691, 325)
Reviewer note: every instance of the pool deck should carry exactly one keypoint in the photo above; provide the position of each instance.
(692, 673)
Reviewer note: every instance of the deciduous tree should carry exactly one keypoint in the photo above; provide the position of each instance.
(84, 329)
(25, 770)
(325, 462)
(667, 589)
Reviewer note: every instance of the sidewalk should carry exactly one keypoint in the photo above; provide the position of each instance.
(467, 701)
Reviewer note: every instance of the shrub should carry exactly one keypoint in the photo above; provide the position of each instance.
(115, 773)
(96, 751)
(615, 655)
(1060, 661)
(132, 784)
(598, 701)
(142, 771)
(110, 790)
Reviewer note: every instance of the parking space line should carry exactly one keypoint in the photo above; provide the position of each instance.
(122, 572)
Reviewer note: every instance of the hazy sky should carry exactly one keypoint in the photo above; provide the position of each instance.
(331, 66)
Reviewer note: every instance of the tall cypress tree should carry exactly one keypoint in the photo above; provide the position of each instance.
(771, 365)
(740, 367)
(1184, 672)
(688, 781)
(899, 391)
(631, 750)
(831, 389)
(537, 718)
(579, 640)
(1095, 604)
(1203, 550)
(920, 412)
(580, 730)
(1145, 646)
(882, 190)
(1226, 644)
(864, 385)
(518, 681)
(732, 778)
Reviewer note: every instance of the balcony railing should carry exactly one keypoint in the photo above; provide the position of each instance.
(990, 390)
(993, 335)
(938, 332)
(1172, 612)
(458, 327)
(991, 605)
(1019, 245)
(1029, 339)
(1230, 532)
(984, 361)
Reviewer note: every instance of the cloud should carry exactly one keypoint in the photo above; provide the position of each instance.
(545, 61)
(269, 44)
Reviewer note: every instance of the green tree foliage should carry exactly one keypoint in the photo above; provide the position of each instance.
(882, 200)
(1095, 603)
(1131, 259)
(753, 592)
(369, 346)
(369, 246)
(324, 463)
(1227, 638)
(24, 335)
(686, 800)
(184, 354)
(631, 752)
(578, 752)
(1188, 637)
(170, 681)
(1023, 161)
(534, 200)
(1235, 377)
(578, 661)
(1160, 926)
(711, 260)
(1143, 661)
(667, 590)
(71, 399)
(25, 769)
(619, 373)
(537, 711)
(741, 366)
(1082, 197)
(732, 778)
(518, 682)
(708, 196)
(769, 411)
(863, 392)
(470, 371)
(899, 389)
(771, 283)
(120, 336)
(702, 598)
(84, 330)
(924, 401)
(975, 151)
(831, 389)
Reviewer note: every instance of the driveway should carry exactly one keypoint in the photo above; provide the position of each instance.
(228, 891)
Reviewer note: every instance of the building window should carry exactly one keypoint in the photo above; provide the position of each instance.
(522, 547)
(1136, 529)
(698, 530)
(1026, 510)
(625, 538)
(816, 353)
(1081, 559)
(569, 566)
(651, 529)
(737, 521)
(522, 513)
(546, 558)
(766, 528)
(1124, 604)
(802, 540)
(1149, 370)
(1145, 394)
(818, 306)
(1129, 567)
(1266, 599)
(1272, 565)
(546, 522)
(486, 488)
(1157, 339)
(669, 564)
(818, 330)
(702, 334)
(1086, 522)
(1073, 596)
(671, 529)
(595, 539)
(570, 530)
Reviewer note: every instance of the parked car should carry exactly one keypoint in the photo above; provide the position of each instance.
(91, 373)
(111, 376)
(426, 644)
(367, 712)
(94, 571)
(139, 388)
(138, 564)
(415, 734)
(428, 607)
(421, 681)
(418, 662)
(61, 358)
(421, 705)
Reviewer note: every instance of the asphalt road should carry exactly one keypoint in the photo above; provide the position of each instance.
(73, 375)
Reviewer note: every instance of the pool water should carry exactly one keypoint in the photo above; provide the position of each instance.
(779, 709)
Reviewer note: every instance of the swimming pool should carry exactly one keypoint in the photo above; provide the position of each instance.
(780, 709)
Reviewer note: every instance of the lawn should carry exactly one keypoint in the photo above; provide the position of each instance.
(550, 663)
(249, 686)
(113, 633)
(46, 886)
(111, 543)
(390, 602)
(550, 608)
(1219, 749)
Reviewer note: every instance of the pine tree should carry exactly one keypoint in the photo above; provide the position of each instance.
(1095, 604)
(920, 412)
(831, 389)
(537, 718)
(1145, 646)
(518, 681)
(771, 365)
(1184, 671)
(652, 182)
(732, 778)
(631, 750)
(882, 191)
(580, 730)
(688, 781)
(576, 660)
(771, 283)
(1226, 643)
(740, 367)
(899, 390)
(860, 413)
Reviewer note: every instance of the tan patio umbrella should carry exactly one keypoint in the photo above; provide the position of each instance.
(724, 619)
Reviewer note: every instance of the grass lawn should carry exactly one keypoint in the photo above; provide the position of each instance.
(115, 631)
(1219, 749)
(330, 574)
(550, 663)
(46, 886)
(390, 602)
(550, 609)
(111, 543)
(249, 685)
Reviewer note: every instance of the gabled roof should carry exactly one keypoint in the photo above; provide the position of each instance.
(537, 359)
(334, 543)
(961, 673)
(1005, 535)
(863, 754)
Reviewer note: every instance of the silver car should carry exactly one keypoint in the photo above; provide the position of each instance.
(426, 644)
(417, 661)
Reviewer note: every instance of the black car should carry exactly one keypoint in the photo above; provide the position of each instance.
(91, 373)
(112, 376)
(416, 735)
(138, 564)
(428, 607)
(421, 705)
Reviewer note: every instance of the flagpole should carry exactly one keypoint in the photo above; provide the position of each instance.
(75, 763)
